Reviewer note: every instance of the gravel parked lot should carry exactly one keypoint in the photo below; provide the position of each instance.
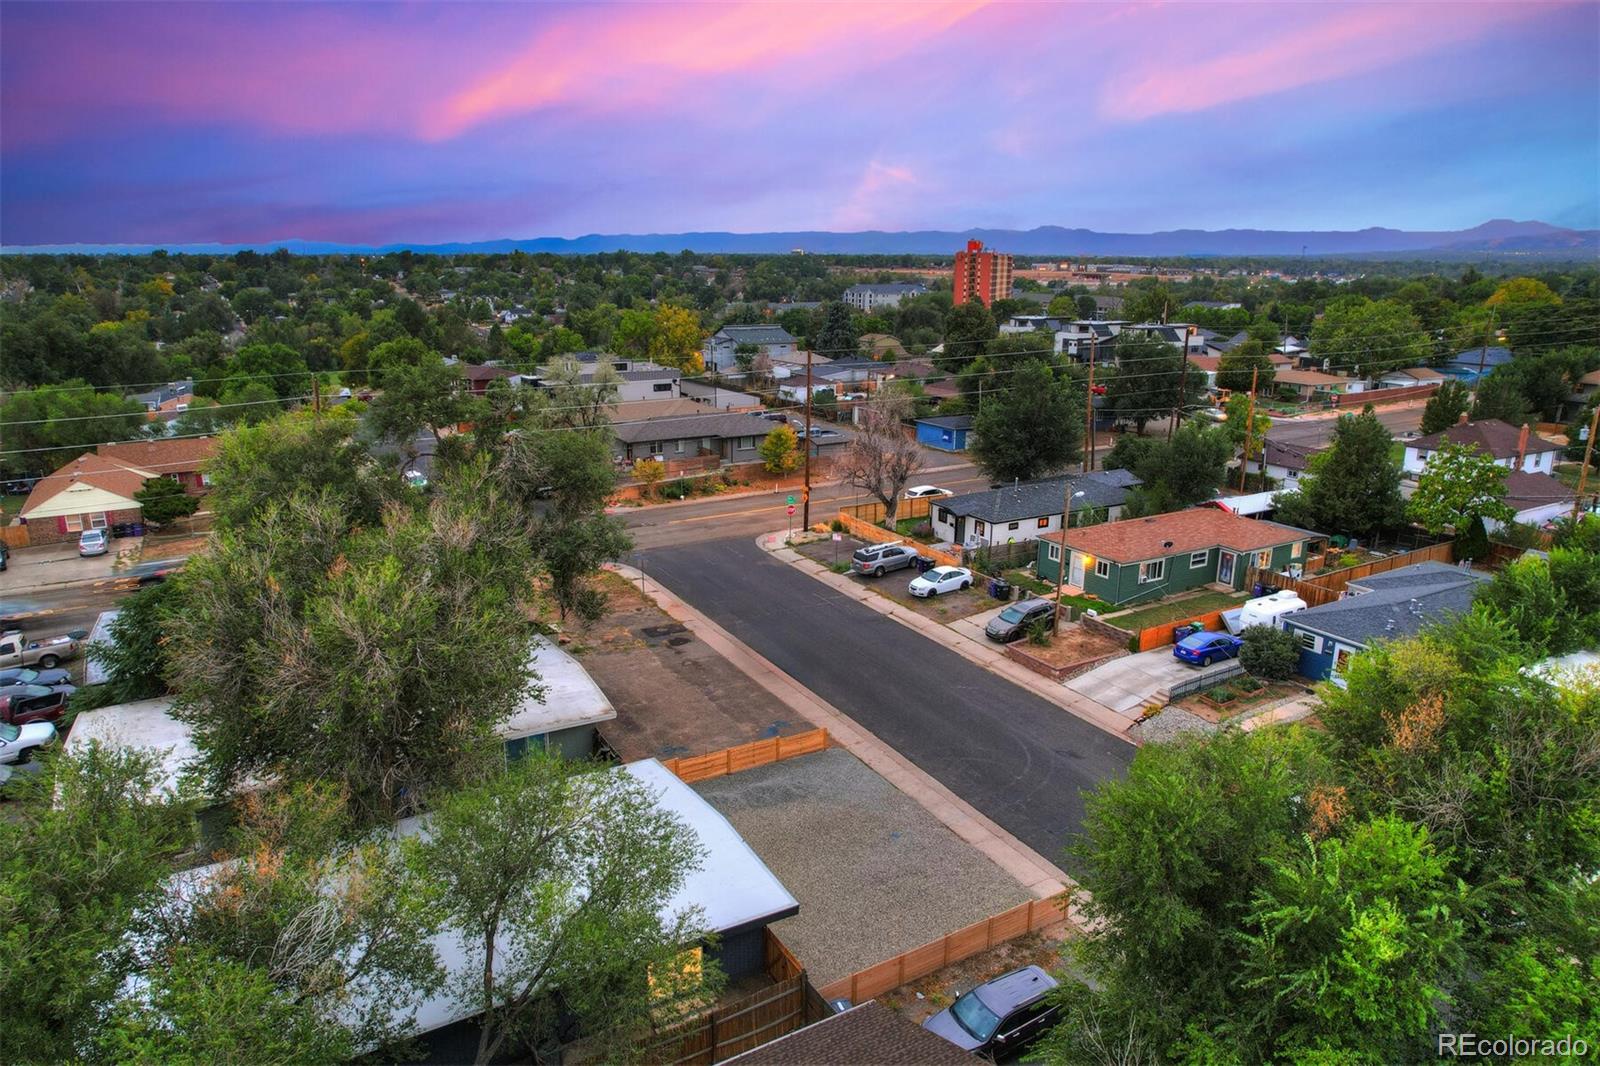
(875, 874)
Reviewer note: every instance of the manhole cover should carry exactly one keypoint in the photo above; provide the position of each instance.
(658, 632)
(678, 642)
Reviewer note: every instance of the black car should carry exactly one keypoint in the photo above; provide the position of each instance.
(27, 675)
(999, 1017)
(1013, 622)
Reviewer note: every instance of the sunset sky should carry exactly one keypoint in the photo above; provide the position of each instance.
(419, 122)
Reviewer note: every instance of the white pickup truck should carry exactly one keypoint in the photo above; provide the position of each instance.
(18, 650)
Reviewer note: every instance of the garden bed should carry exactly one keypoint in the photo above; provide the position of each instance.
(1238, 695)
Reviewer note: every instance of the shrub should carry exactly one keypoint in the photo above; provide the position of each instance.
(922, 530)
(1349, 559)
(1039, 633)
(836, 526)
(1269, 653)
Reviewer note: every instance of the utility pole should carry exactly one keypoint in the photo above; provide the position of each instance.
(1088, 412)
(1067, 496)
(1588, 451)
(316, 396)
(1249, 428)
(1483, 354)
(1183, 386)
(805, 492)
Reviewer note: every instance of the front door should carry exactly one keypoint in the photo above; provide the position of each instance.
(1225, 568)
(1075, 579)
(961, 531)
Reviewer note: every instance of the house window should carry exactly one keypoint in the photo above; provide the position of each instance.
(1053, 553)
(1156, 570)
(1102, 568)
(677, 446)
(747, 442)
(656, 447)
(1263, 560)
(944, 514)
(978, 527)
(1044, 523)
(74, 523)
(1294, 550)
(619, 366)
(1341, 659)
(205, 481)
(1311, 642)
(1014, 525)
(662, 386)
(1199, 559)
(97, 520)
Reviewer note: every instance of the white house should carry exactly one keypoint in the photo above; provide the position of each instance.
(721, 349)
(1511, 447)
(1537, 499)
(1021, 512)
(869, 298)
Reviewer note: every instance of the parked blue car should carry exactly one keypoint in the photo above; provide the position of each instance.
(1203, 649)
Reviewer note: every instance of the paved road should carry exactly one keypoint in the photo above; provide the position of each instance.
(1397, 418)
(1022, 761)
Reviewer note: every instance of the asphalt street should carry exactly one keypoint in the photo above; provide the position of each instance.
(1022, 761)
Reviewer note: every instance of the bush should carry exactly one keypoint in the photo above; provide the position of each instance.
(922, 530)
(837, 526)
(1039, 633)
(1269, 653)
(1349, 559)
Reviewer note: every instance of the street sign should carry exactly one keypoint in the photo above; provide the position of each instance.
(790, 502)
(791, 508)
(838, 536)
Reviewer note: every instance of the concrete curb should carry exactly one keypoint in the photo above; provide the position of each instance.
(1098, 715)
(1037, 874)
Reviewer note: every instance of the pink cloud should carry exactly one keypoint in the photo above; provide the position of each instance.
(865, 208)
(1316, 44)
(628, 56)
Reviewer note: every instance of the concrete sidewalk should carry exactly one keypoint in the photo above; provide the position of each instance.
(1293, 711)
(1042, 878)
(956, 637)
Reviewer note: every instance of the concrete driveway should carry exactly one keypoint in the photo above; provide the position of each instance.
(1129, 684)
(44, 565)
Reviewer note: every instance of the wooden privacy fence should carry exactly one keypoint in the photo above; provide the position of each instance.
(874, 511)
(874, 534)
(1157, 636)
(746, 756)
(1029, 917)
(15, 536)
(1325, 588)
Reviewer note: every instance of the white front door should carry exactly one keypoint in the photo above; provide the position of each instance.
(1225, 568)
(1075, 577)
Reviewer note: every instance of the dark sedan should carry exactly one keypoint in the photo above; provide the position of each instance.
(27, 675)
(34, 703)
(1013, 622)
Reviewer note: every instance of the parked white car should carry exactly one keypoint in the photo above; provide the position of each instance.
(940, 579)
(93, 542)
(18, 742)
(917, 492)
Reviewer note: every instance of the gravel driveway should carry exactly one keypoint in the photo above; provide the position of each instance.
(875, 874)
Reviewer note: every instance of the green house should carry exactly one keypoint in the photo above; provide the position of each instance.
(1145, 559)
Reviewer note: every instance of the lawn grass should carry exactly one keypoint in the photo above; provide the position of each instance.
(1023, 579)
(1176, 610)
(906, 527)
(1397, 452)
(10, 507)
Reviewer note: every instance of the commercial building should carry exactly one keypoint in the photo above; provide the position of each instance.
(982, 276)
(869, 298)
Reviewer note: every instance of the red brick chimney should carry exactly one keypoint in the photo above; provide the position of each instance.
(1522, 446)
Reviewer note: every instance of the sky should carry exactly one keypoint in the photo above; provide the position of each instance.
(428, 122)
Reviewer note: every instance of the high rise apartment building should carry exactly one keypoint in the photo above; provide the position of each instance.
(981, 274)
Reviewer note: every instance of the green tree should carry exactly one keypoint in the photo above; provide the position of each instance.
(86, 845)
(429, 396)
(1177, 473)
(1552, 602)
(45, 427)
(1499, 396)
(244, 402)
(1445, 407)
(257, 465)
(780, 450)
(1370, 336)
(1250, 437)
(1146, 383)
(1270, 652)
(1032, 427)
(135, 658)
(968, 329)
(1237, 364)
(502, 860)
(839, 338)
(648, 472)
(163, 501)
(1353, 487)
(1459, 484)
(311, 648)
(277, 366)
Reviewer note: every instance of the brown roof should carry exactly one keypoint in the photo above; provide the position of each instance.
(1525, 491)
(1311, 377)
(87, 469)
(628, 410)
(1490, 435)
(1208, 363)
(1591, 378)
(1135, 539)
(1419, 373)
(869, 1035)
(173, 455)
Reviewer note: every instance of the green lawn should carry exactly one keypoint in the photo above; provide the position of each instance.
(1176, 610)
(9, 507)
(906, 527)
(1397, 452)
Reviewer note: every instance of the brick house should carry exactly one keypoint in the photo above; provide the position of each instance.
(97, 489)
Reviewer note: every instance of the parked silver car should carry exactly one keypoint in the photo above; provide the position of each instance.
(879, 559)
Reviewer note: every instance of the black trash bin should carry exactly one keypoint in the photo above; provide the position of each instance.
(924, 564)
(1000, 590)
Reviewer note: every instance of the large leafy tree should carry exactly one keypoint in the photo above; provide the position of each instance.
(1353, 487)
(45, 427)
(968, 329)
(1031, 426)
(1237, 364)
(135, 659)
(1369, 336)
(1177, 473)
(257, 465)
(85, 845)
(1552, 602)
(880, 458)
(312, 648)
(839, 338)
(566, 875)
(1459, 485)
(1146, 385)
(429, 396)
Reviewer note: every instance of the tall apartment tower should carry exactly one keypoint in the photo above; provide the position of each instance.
(981, 274)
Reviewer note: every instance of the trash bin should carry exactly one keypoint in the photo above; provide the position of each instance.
(1259, 589)
(1000, 590)
(924, 564)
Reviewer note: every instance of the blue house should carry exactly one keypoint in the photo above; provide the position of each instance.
(1466, 366)
(948, 433)
(1387, 606)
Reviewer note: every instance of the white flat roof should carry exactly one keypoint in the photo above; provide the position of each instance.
(1563, 670)
(93, 672)
(570, 696)
(146, 726)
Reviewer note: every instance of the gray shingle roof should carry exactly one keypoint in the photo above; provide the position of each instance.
(948, 421)
(723, 425)
(867, 1035)
(1399, 604)
(1035, 499)
(898, 289)
(756, 334)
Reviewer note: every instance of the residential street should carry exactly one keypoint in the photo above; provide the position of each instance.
(1020, 760)
(1397, 418)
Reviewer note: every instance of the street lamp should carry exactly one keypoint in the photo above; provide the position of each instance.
(1061, 562)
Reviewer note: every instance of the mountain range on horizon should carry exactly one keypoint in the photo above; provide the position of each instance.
(1495, 236)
